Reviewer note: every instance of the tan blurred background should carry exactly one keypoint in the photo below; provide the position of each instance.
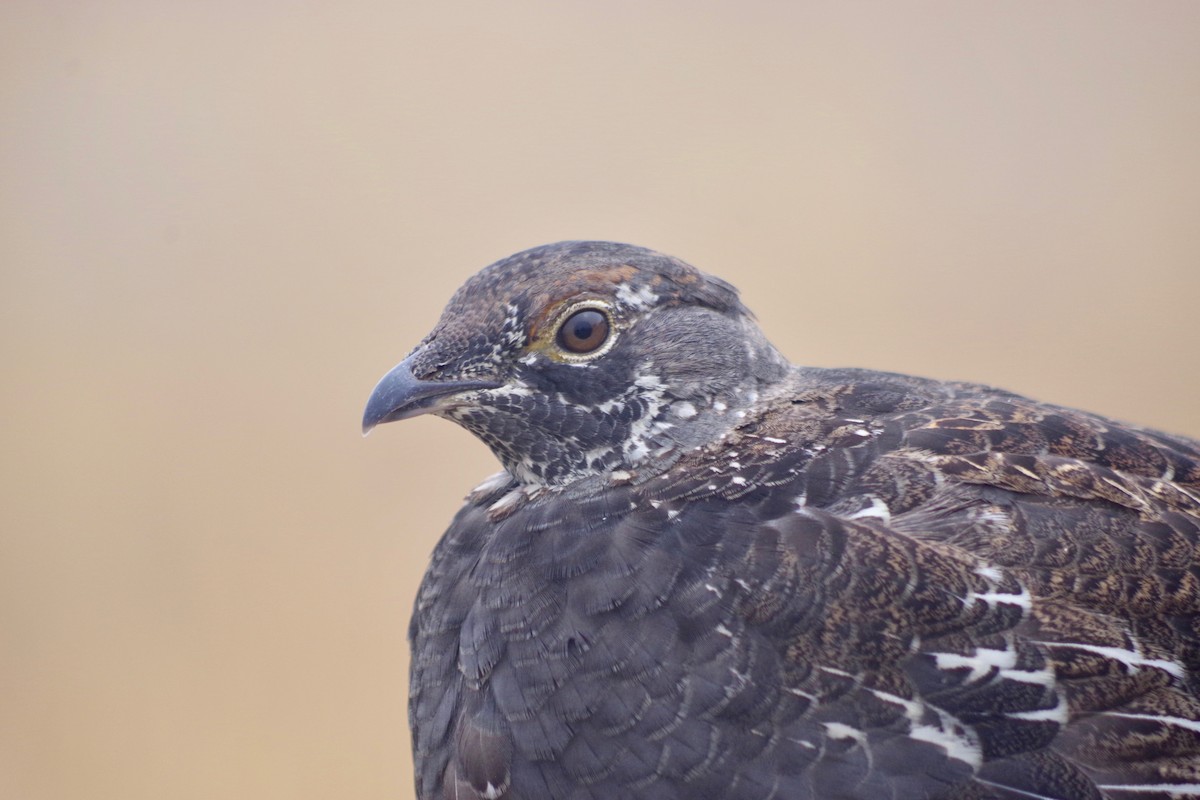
(221, 222)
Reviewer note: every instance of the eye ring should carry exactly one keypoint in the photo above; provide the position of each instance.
(583, 331)
(577, 339)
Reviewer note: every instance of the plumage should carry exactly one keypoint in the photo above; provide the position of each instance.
(707, 573)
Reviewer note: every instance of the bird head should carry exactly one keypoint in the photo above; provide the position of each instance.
(584, 358)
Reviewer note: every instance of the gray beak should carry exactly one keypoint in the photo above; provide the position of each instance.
(400, 395)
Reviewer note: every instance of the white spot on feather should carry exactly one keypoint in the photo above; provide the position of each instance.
(507, 502)
(988, 572)
(950, 734)
(1181, 722)
(839, 672)
(1026, 472)
(812, 698)
(981, 662)
(1132, 659)
(996, 516)
(878, 509)
(491, 483)
(840, 730)
(1022, 600)
(640, 299)
(1175, 789)
(1057, 714)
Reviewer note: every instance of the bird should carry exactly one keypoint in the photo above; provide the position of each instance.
(705, 572)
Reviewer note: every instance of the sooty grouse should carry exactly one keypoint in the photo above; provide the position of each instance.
(706, 573)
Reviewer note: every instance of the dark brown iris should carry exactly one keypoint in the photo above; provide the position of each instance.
(583, 332)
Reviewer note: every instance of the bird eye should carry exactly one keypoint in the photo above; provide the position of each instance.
(583, 331)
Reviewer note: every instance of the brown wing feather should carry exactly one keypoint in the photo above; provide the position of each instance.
(877, 588)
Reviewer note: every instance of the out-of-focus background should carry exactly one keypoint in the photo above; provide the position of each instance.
(221, 222)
